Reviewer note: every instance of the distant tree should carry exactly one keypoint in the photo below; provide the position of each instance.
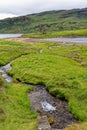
(42, 29)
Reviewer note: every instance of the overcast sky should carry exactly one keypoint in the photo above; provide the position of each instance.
(10, 8)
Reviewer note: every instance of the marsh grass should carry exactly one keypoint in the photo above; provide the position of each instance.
(71, 33)
(60, 69)
(10, 50)
(62, 74)
(15, 112)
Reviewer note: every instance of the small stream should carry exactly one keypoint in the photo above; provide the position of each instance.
(3, 70)
(45, 104)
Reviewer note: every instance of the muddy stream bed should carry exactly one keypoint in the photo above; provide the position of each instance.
(52, 109)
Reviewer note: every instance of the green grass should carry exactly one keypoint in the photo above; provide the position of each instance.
(10, 50)
(74, 33)
(15, 112)
(61, 68)
(59, 72)
(79, 126)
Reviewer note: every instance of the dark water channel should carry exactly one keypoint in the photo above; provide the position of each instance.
(55, 109)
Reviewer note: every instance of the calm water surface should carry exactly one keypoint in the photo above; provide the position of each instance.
(10, 35)
(64, 40)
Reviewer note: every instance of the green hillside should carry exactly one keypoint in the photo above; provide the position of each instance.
(52, 20)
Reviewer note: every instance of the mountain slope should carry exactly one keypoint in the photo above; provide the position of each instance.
(52, 21)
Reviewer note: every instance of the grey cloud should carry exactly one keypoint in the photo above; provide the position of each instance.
(22, 7)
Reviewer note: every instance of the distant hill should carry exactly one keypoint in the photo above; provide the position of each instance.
(52, 21)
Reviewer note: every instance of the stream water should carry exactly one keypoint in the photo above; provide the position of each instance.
(3, 70)
(45, 104)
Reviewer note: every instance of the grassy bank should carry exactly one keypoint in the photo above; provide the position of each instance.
(10, 50)
(74, 33)
(59, 71)
(15, 112)
(61, 68)
(59, 74)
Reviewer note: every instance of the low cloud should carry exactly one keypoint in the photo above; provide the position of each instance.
(23, 7)
(7, 15)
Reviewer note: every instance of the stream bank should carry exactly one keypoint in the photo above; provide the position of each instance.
(52, 112)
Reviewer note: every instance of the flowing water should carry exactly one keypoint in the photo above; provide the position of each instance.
(3, 70)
